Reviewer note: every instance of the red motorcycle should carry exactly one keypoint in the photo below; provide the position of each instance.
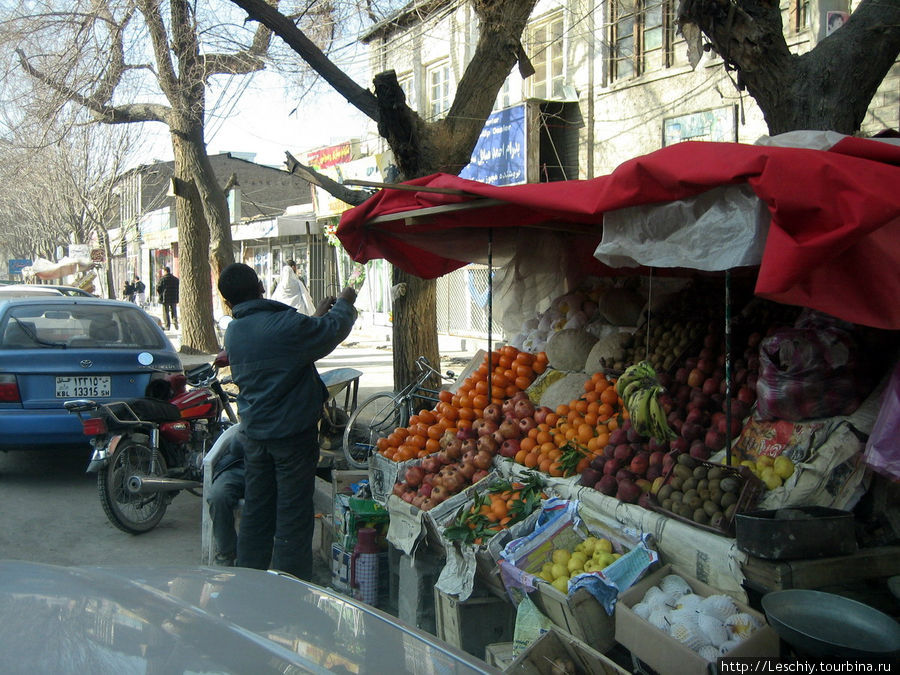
(146, 450)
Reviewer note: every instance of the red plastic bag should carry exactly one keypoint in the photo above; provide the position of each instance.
(883, 448)
(807, 373)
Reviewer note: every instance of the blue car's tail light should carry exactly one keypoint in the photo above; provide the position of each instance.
(9, 389)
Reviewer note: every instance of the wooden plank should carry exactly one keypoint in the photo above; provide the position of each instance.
(870, 563)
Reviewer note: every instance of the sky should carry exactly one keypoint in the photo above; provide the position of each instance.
(257, 118)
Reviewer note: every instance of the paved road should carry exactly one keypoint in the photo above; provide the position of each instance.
(51, 512)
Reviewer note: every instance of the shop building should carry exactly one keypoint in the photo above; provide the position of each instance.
(271, 212)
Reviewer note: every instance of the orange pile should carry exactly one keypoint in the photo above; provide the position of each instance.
(583, 425)
(512, 371)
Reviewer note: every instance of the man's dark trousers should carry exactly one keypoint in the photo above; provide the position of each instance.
(278, 504)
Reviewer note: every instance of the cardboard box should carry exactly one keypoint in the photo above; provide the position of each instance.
(499, 655)
(579, 612)
(665, 654)
(474, 624)
(555, 644)
(340, 569)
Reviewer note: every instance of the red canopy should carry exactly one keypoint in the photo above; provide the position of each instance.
(833, 242)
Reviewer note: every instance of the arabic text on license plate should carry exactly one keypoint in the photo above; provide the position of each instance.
(78, 386)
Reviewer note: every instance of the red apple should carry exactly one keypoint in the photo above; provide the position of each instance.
(611, 466)
(628, 492)
(607, 485)
(678, 445)
(696, 378)
(714, 440)
(623, 453)
(624, 474)
(589, 477)
(617, 437)
(656, 458)
(639, 464)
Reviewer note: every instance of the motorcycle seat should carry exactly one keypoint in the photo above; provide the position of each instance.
(146, 409)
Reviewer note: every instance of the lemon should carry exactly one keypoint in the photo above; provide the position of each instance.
(589, 545)
(561, 584)
(770, 478)
(559, 570)
(576, 563)
(764, 461)
(548, 567)
(603, 546)
(591, 566)
(546, 572)
(561, 556)
(604, 560)
(579, 548)
(750, 465)
(783, 466)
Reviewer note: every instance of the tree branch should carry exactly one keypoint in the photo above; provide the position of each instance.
(335, 189)
(167, 78)
(137, 112)
(280, 25)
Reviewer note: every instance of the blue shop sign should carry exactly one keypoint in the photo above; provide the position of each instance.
(499, 155)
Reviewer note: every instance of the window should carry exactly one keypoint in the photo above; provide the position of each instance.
(545, 49)
(799, 15)
(406, 84)
(437, 78)
(641, 37)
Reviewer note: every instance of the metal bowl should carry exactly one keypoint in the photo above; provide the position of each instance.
(819, 624)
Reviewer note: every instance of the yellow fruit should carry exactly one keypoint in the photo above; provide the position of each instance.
(783, 466)
(764, 461)
(589, 545)
(604, 560)
(603, 545)
(750, 465)
(576, 562)
(770, 478)
(561, 556)
(561, 584)
(575, 573)
(591, 566)
(559, 570)
(546, 572)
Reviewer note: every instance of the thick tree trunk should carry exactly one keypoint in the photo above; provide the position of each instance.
(195, 311)
(828, 88)
(212, 196)
(414, 329)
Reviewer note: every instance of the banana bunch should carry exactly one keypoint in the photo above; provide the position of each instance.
(639, 389)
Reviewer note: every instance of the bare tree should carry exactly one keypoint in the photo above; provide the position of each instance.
(135, 61)
(421, 147)
(58, 187)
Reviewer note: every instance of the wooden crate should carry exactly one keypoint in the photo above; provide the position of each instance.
(868, 563)
(554, 644)
(474, 624)
(499, 654)
(579, 614)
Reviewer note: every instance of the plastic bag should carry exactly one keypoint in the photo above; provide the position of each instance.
(530, 625)
(807, 373)
(883, 448)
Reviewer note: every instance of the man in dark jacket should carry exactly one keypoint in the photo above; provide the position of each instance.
(272, 350)
(224, 496)
(167, 288)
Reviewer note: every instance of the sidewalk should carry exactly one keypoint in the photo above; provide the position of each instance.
(370, 352)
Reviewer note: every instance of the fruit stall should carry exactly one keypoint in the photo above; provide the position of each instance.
(696, 409)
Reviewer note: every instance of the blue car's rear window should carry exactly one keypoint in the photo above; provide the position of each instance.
(36, 326)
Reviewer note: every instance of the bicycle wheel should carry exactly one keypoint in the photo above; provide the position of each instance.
(375, 418)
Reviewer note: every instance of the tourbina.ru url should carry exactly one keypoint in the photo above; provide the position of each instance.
(753, 665)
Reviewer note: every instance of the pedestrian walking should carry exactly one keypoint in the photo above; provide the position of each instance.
(272, 350)
(167, 289)
(292, 291)
(140, 291)
(128, 291)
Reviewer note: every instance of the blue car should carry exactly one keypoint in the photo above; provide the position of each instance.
(55, 348)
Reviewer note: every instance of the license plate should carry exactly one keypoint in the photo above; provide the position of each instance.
(80, 386)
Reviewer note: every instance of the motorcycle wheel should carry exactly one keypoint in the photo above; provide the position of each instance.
(129, 512)
(375, 418)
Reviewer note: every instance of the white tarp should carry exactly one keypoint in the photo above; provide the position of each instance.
(47, 269)
(720, 229)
